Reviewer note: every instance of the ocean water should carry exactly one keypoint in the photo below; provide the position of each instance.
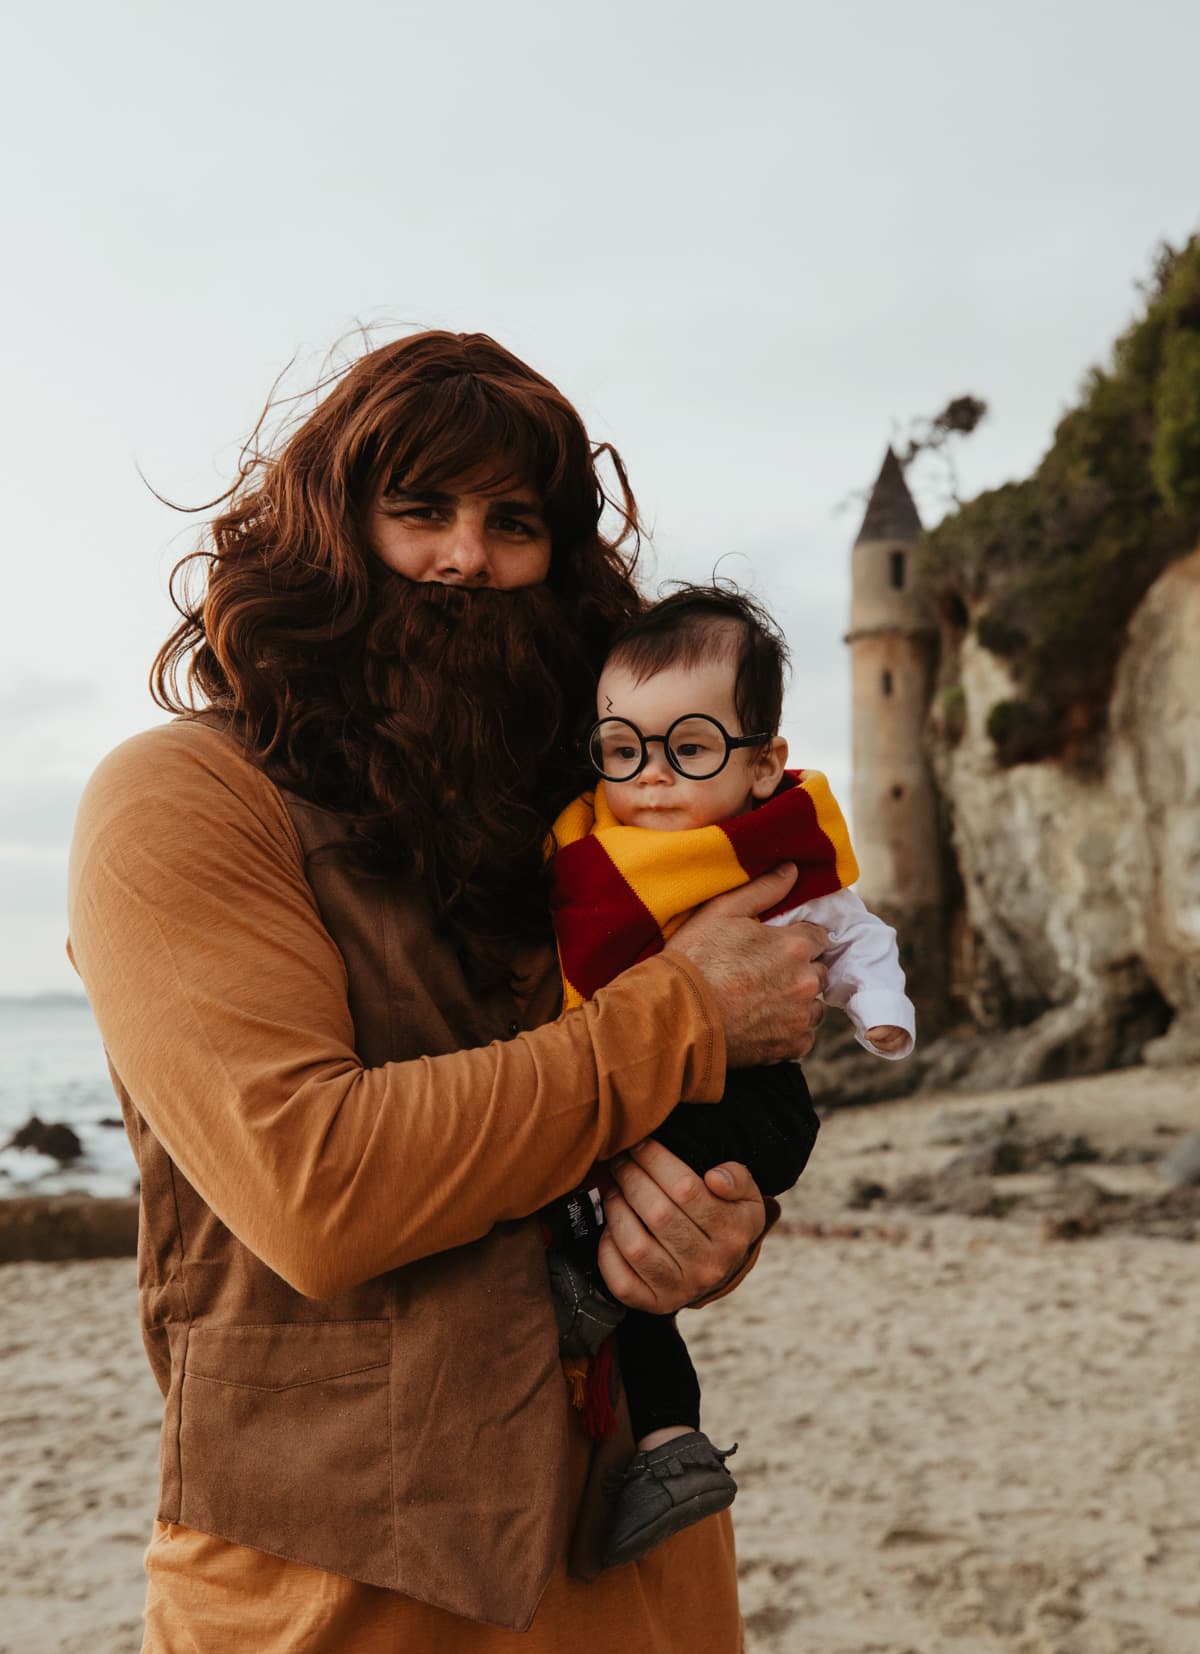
(52, 1065)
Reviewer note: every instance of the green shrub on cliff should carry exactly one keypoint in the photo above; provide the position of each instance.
(1014, 729)
(1175, 462)
(1054, 566)
(950, 712)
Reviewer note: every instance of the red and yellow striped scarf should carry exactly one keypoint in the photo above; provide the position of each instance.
(619, 892)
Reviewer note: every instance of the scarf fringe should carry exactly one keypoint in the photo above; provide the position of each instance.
(590, 1380)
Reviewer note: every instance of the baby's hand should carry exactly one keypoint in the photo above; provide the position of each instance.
(887, 1039)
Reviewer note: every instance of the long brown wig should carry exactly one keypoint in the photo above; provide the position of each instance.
(324, 662)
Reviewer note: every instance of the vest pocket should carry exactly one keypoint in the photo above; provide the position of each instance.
(287, 1354)
(284, 1441)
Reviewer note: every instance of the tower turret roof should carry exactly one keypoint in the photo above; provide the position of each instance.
(891, 514)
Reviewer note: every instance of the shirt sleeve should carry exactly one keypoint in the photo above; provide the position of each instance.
(865, 978)
(222, 1001)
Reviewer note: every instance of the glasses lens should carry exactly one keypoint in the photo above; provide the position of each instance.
(697, 746)
(615, 749)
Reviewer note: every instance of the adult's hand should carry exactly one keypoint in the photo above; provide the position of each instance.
(672, 1237)
(766, 979)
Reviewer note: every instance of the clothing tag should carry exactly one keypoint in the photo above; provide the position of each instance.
(583, 1222)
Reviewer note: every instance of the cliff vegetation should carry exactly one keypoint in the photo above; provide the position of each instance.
(1048, 571)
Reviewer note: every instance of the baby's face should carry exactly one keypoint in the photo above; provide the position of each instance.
(659, 797)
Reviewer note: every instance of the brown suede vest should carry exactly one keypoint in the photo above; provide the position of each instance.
(411, 1432)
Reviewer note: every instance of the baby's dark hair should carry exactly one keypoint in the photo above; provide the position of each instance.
(695, 622)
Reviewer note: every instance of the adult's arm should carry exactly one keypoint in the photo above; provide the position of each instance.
(222, 1001)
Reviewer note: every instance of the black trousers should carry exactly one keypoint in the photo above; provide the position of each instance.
(767, 1121)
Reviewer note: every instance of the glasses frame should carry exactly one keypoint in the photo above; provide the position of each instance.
(731, 743)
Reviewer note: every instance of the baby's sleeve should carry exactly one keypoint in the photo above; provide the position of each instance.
(865, 978)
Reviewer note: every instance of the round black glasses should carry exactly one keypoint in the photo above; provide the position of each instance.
(696, 747)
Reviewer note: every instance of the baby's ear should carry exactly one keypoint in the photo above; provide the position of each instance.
(770, 762)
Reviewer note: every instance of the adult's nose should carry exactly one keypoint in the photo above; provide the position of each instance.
(465, 560)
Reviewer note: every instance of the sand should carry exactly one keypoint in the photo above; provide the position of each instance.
(958, 1436)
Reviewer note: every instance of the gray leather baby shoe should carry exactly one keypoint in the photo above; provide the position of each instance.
(666, 1490)
(585, 1316)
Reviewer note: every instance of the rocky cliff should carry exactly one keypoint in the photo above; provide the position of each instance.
(1079, 917)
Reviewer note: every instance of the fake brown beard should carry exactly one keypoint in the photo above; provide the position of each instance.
(474, 705)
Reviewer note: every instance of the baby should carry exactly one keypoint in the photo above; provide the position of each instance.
(694, 799)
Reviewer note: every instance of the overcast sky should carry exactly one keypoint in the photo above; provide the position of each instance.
(749, 240)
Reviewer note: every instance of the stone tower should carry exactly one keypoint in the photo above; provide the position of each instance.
(892, 655)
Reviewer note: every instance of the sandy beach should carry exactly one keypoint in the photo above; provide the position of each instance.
(959, 1435)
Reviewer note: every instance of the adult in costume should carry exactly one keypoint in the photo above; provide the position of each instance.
(304, 921)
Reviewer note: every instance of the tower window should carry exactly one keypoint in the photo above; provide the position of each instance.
(896, 567)
(887, 682)
(897, 792)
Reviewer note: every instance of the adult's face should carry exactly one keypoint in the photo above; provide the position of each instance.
(462, 535)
